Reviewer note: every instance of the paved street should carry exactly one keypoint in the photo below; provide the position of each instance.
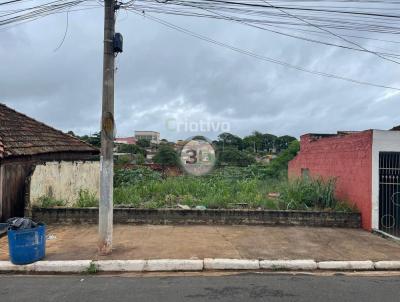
(242, 287)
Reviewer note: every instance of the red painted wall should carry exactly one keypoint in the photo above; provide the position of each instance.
(347, 157)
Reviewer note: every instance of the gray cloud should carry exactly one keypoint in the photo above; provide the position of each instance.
(164, 74)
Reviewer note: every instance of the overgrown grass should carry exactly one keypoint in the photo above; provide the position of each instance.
(50, 202)
(231, 188)
(312, 193)
(86, 199)
(191, 191)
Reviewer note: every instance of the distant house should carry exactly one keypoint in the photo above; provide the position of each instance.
(126, 140)
(37, 160)
(367, 167)
(151, 136)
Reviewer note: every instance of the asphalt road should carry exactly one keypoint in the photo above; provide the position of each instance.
(242, 287)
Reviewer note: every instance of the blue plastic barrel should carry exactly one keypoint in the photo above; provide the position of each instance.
(27, 246)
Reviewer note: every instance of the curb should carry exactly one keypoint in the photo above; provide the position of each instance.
(120, 265)
(346, 265)
(387, 265)
(170, 265)
(231, 264)
(304, 265)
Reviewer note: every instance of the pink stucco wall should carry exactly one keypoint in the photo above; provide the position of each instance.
(346, 157)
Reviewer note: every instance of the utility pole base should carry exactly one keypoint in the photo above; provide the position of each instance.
(104, 248)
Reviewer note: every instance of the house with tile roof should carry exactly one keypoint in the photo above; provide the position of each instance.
(26, 144)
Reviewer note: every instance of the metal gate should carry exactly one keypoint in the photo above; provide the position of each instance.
(389, 193)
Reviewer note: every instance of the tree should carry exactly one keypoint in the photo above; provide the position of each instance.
(269, 141)
(283, 142)
(166, 155)
(144, 143)
(229, 140)
(236, 157)
(132, 149)
(279, 165)
(255, 141)
(93, 139)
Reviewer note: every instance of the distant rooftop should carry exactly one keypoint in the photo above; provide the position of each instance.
(126, 140)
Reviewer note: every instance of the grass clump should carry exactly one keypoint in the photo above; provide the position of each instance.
(86, 199)
(92, 268)
(50, 202)
(312, 193)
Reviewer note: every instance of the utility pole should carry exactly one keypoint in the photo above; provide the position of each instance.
(107, 134)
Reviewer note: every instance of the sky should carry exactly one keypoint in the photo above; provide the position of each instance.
(181, 86)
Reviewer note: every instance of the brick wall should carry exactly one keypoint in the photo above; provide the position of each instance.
(199, 217)
(347, 157)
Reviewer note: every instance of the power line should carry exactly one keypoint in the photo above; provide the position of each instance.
(295, 36)
(32, 13)
(65, 35)
(322, 17)
(332, 33)
(255, 55)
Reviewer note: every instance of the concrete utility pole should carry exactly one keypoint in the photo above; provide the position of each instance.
(107, 134)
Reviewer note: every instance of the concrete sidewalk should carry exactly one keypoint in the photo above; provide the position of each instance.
(197, 242)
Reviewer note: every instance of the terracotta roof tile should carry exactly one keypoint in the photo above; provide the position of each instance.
(21, 135)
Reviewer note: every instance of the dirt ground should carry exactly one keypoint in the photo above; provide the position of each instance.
(190, 242)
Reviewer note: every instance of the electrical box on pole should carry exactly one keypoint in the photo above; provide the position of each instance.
(118, 43)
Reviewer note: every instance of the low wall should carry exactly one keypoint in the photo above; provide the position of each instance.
(193, 217)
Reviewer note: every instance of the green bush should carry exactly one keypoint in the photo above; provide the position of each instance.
(314, 193)
(50, 202)
(166, 155)
(234, 157)
(86, 199)
(125, 177)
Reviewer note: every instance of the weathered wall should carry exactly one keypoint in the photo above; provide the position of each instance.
(349, 158)
(63, 180)
(199, 217)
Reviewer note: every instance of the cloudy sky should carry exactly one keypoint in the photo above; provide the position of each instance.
(165, 78)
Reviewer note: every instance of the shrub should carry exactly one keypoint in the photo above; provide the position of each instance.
(278, 166)
(123, 160)
(309, 193)
(50, 202)
(124, 177)
(235, 157)
(86, 199)
(166, 155)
